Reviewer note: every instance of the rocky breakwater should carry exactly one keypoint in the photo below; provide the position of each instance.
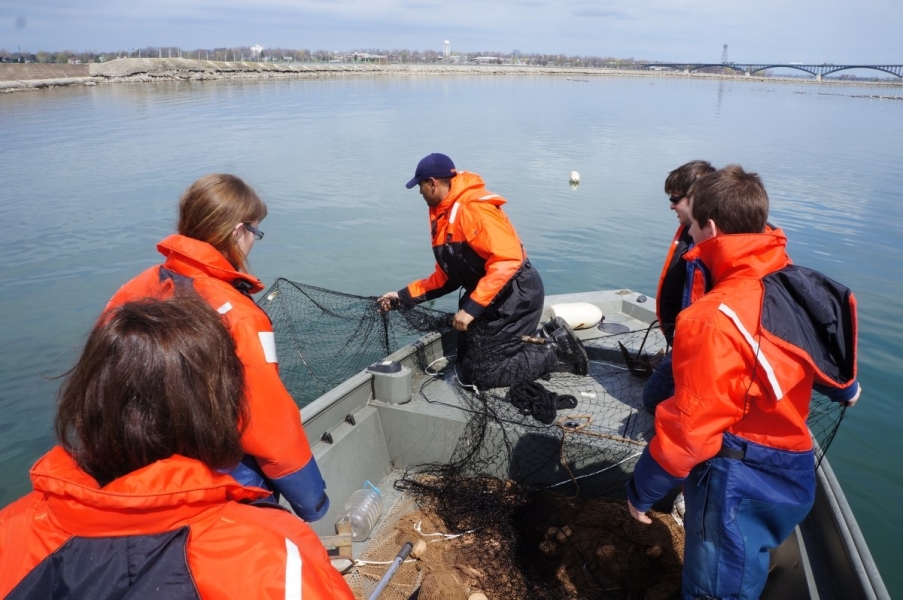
(156, 69)
(184, 69)
(30, 76)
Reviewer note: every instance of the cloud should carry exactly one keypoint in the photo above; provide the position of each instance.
(599, 12)
(758, 30)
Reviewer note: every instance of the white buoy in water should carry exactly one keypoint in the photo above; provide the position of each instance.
(575, 177)
(579, 315)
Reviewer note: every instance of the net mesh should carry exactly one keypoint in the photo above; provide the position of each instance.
(564, 548)
(534, 488)
(323, 337)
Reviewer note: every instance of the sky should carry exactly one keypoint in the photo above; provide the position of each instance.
(809, 31)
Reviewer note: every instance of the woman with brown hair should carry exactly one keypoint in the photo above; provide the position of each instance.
(134, 501)
(219, 217)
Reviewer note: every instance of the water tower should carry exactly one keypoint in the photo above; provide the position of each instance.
(446, 49)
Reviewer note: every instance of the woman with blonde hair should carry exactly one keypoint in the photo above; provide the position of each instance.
(219, 220)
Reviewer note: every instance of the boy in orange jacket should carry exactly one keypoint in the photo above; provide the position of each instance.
(746, 357)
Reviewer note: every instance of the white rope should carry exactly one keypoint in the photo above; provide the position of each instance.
(595, 472)
(437, 373)
(447, 536)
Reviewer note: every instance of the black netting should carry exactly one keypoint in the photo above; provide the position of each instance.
(537, 476)
(323, 337)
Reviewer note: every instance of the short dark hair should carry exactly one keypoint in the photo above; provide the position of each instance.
(734, 199)
(680, 179)
(156, 378)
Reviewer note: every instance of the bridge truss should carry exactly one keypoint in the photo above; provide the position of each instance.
(817, 71)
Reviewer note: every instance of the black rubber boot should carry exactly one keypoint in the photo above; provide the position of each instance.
(568, 348)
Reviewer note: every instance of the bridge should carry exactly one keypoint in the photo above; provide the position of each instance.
(817, 71)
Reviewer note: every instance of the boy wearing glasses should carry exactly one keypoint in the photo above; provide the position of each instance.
(680, 283)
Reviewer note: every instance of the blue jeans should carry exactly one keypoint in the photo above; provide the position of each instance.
(660, 386)
(738, 510)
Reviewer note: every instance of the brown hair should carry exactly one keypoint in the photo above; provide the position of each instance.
(156, 378)
(212, 206)
(734, 199)
(680, 179)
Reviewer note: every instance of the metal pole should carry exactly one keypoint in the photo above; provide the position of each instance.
(402, 554)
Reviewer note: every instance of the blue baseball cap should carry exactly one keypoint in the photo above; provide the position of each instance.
(433, 165)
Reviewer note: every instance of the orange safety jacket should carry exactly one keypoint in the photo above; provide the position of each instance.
(273, 434)
(475, 246)
(671, 282)
(173, 529)
(740, 365)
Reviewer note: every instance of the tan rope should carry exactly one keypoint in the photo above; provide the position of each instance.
(579, 428)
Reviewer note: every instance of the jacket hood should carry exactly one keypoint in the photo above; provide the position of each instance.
(746, 255)
(466, 186)
(195, 257)
(803, 311)
(171, 490)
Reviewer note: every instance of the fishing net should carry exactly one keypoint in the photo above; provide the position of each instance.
(536, 484)
(564, 548)
(323, 337)
(531, 503)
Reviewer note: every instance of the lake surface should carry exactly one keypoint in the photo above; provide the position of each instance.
(91, 178)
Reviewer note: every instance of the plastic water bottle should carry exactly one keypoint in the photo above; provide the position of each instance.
(363, 510)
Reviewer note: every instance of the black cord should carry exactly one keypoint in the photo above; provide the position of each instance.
(533, 399)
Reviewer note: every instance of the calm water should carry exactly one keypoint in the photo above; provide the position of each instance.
(90, 179)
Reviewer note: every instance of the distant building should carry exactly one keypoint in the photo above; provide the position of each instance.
(74, 61)
(256, 50)
(369, 57)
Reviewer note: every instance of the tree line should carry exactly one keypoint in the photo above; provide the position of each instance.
(248, 53)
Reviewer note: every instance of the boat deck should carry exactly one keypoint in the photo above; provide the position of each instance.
(591, 448)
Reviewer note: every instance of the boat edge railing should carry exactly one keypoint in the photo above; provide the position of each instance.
(866, 568)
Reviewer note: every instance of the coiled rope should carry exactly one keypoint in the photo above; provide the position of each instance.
(533, 399)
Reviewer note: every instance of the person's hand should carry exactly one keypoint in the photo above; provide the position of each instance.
(462, 320)
(852, 401)
(639, 516)
(388, 301)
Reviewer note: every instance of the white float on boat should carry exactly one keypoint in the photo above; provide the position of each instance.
(579, 315)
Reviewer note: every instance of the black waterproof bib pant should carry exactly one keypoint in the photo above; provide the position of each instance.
(491, 352)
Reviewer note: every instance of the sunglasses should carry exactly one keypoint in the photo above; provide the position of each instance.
(676, 199)
(258, 235)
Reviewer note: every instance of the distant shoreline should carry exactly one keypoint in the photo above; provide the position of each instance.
(23, 77)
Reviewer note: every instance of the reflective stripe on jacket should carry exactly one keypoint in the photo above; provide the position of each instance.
(731, 373)
(174, 528)
(475, 246)
(274, 435)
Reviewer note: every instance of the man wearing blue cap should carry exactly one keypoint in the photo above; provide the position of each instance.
(476, 248)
